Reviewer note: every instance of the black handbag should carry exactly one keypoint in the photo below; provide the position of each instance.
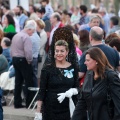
(39, 58)
(110, 104)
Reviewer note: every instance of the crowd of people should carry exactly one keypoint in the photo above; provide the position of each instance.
(72, 56)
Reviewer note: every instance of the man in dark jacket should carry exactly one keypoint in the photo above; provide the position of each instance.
(95, 36)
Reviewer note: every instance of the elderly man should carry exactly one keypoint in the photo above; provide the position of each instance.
(21, 52)
(94, 21)
(96, 35)
(55, 20)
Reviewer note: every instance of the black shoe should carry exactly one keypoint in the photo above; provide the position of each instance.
(3, 101)
(19, 106)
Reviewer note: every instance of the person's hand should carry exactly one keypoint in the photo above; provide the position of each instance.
(78, 26)
(61, 97)
(38, 116)
(69, 93)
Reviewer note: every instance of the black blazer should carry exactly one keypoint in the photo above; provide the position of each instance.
(92, 103)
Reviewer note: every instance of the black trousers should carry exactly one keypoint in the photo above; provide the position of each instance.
(23, 74)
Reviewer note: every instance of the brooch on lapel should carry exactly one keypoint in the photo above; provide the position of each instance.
(68, 73)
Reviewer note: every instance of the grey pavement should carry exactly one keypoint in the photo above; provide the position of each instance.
(10, 113)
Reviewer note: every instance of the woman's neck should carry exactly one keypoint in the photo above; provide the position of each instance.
(39, 30)
(62, 63)
(95, 75)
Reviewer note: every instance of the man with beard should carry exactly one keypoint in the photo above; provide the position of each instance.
(84, 18)
(21, 16)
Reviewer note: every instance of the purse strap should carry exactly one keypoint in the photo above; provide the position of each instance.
(109, 99)
(108, 88)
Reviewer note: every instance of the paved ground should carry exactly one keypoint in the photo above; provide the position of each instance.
(10, 113)
(17, 114)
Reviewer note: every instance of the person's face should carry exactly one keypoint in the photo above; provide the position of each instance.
(4, 10)
(90, 63)
(60, 53)
(39, 15)
(63, 16)
(17, 11)
(68, 18)
(30, 32)
(38, 28)
(95, 22)
(44, 4)
(102, 13)
(76, 11)
(52, 20)
(111, 24)
(5, 21)
(60, 8)
(30, 9)
(81, 12)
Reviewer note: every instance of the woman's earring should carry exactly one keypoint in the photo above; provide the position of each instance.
(54, 56)
(67, 58)
(96, 63)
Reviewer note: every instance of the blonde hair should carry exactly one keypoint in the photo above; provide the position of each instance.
(62, 43)
(40, 24)
(76, 40)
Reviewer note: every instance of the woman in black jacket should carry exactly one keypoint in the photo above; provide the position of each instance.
(100, 80)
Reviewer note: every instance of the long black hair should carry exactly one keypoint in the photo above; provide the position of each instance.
(10, 20)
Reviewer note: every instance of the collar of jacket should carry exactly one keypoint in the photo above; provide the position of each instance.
(88, 81)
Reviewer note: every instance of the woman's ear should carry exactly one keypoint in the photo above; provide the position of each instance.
(67, 52)
(114, 47)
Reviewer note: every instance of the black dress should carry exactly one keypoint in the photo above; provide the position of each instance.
(53, 82)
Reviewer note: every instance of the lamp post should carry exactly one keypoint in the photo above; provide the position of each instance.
(18, 2)
(117, 6)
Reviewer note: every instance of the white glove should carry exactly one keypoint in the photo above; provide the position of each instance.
(61, 97)
(38, 116)
(69, 94)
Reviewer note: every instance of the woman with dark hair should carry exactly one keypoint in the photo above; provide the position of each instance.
(9, 24)
(101, 87)
(111, 37)
(84, 40)
(59, 79)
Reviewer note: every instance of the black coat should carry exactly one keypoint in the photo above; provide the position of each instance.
(93, 100)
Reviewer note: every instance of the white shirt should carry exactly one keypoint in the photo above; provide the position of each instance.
(17, 26)
(52, 32)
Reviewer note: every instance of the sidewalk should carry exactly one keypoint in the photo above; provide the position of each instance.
(10, 113)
